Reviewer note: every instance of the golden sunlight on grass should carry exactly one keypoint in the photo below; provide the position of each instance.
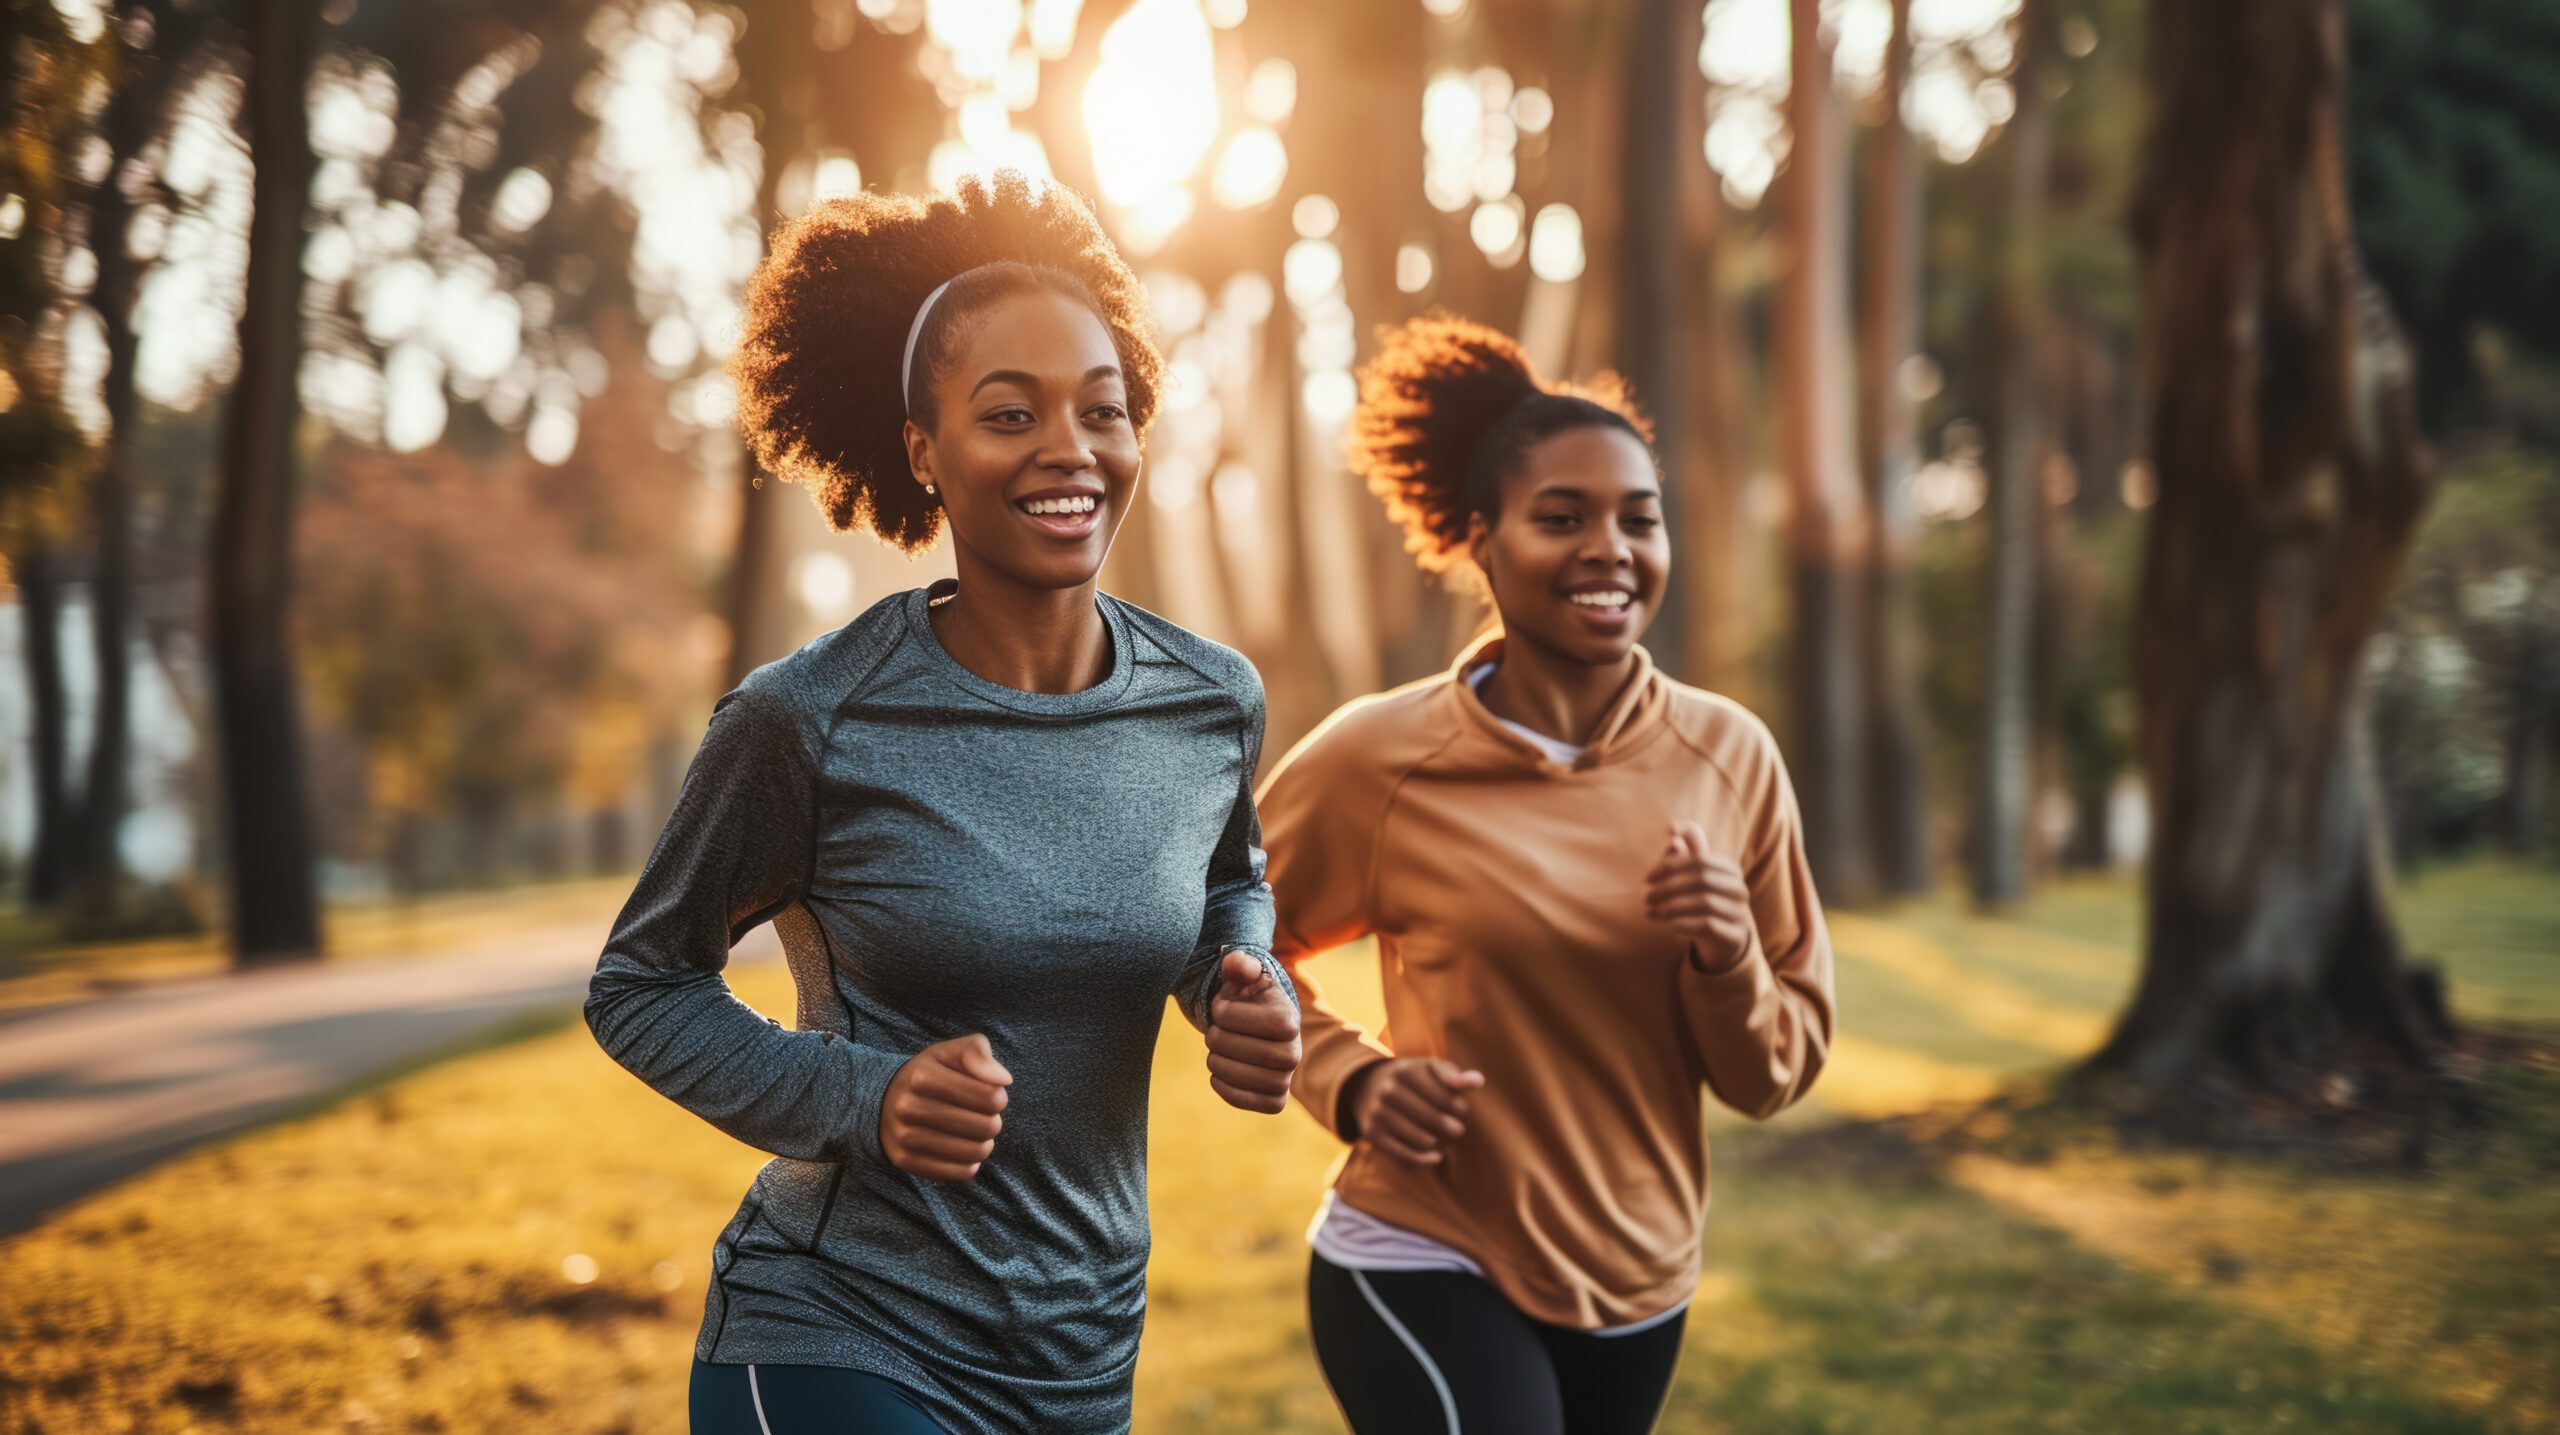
(2415, 1273)
(412, 1259)
(404, 1261)
(519, 1238)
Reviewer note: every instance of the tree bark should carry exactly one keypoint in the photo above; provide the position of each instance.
(2291, 479)
(2003, 779)
(609, 841)
(1826, 527)
(132, 118)
(773, 58)
(1317, 688)
(1722, 548)
(1721, 557)
(748, 601)
(274, 909)
(2529, 692)
(103, 795)
(2088, 847)
(1653, 309)
(1888, 453)
(40, 646)
(1382, 625)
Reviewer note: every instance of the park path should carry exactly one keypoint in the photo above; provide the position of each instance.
(95, 1091)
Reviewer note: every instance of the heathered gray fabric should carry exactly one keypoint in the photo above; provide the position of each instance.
(942, 855)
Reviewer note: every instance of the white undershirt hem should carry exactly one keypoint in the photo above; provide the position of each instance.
(1351, 1238)
(1559, 752)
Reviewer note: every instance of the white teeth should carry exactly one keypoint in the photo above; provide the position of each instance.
(1601, 600)
(1082, 503)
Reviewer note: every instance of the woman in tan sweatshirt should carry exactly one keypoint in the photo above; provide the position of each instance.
(1591, 903)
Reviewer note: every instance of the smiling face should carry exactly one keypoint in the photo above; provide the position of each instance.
(1032, 447)
(1578, 557)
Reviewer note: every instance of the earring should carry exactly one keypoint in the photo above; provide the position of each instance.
(928, 490)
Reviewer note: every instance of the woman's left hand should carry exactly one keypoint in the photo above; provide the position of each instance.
(1253, 1037)
(1702, 897)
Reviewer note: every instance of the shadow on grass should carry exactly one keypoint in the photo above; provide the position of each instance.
(2021, 1267)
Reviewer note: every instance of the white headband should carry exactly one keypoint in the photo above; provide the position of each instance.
(915, 331)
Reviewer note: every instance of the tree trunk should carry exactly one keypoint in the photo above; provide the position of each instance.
(1653, 312)
(1721, 550)
(2004, 776)
(274, 910)
(102, 796)
(609, 841)
(773, 59)
(1888, 451)
(406, 854)
(1826, 526)
(2291, 480)
(131, 119)
(1382, 625)
(748, 603)
(2090, 846)
(1721, 559)
(2519, 812)
(1302, 686)
(40, 644)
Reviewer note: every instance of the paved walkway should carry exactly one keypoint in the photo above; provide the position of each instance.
(93, 1092)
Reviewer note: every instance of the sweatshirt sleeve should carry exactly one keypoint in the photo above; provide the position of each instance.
(735, 852)
(1238, 917)
(1762, 1024)
(1321, 811)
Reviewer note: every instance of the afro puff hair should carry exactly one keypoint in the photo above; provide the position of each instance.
(820, 396)
(1447, 409)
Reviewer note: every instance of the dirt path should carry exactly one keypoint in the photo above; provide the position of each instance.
(95, 1091)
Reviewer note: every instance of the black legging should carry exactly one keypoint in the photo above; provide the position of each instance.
(801, 1400)
(1438, 1353)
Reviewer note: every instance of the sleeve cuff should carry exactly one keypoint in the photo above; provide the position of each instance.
(1195, 1004)
(1325, 1071)
(1271, 964)
(873, 1070)
(1738, 980)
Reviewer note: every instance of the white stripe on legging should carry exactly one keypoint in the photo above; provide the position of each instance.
(1448, 1402)
(1641, 1326)
(756, 1394)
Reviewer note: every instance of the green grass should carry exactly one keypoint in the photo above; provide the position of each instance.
(2496, 927)
(1965, 999)
(403, 1260)
(2493, 921)
(1857, 1301)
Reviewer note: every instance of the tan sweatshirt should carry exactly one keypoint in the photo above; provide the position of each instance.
(1507, 896)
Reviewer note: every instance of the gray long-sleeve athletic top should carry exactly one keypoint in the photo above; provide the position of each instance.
(943, 855)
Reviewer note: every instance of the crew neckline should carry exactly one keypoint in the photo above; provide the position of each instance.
(1557, 750)
(1114, 684)
(1633, 721)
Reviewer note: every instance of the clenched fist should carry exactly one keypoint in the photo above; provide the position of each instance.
(944, 1108)
(1701, 896)
(1411, 1106)
(1253, 1036)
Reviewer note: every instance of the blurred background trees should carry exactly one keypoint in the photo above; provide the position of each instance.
(366, 470)
(2281, 415)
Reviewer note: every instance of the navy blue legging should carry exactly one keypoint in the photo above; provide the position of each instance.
(802, 1400)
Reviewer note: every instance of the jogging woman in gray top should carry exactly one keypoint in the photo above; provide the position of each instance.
(995, 824)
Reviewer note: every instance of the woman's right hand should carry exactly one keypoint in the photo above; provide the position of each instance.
(1411, 1106)
(944, 1108)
